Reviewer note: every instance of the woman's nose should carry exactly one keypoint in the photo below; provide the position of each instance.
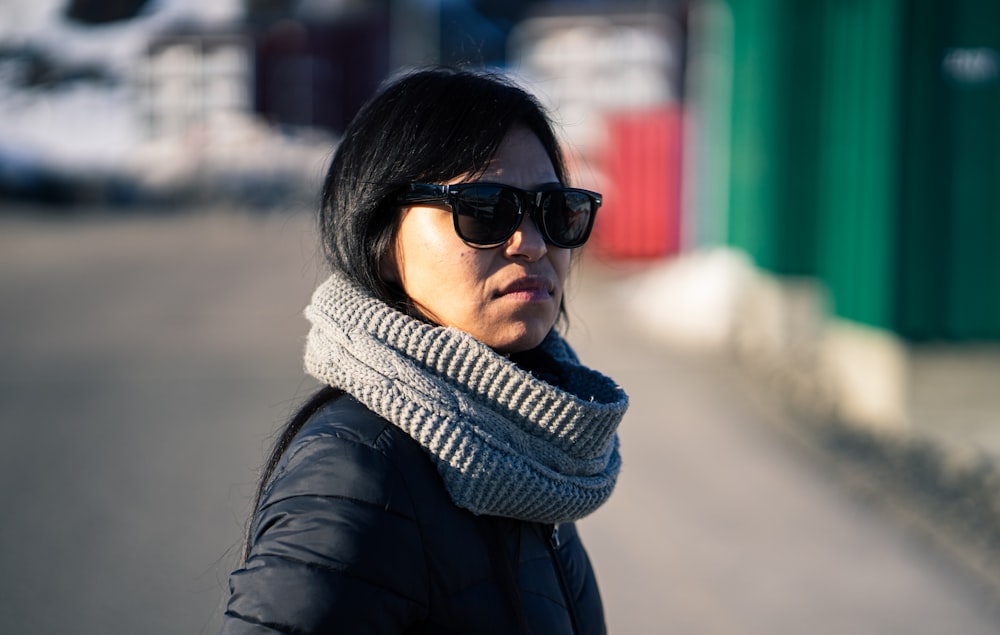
(527, 241)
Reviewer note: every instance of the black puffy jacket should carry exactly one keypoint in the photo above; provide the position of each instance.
(356, 534)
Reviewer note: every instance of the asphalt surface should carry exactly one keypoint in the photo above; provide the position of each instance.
(145, 362)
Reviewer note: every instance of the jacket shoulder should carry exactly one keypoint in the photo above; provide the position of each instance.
(336, 531)
(345, 450)
(346, 417)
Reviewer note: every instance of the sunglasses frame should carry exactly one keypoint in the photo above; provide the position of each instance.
(420, 193)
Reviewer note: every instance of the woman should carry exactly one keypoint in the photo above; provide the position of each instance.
(432, 485)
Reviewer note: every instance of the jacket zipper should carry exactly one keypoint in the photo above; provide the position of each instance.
(554, 545)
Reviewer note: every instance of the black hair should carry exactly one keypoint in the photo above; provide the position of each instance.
(427, 126)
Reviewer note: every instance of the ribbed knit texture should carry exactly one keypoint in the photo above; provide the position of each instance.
(505, 442)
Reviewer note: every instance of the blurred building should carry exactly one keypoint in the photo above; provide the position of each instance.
(857, 143)
(194, 78)
(612, 75)
(318, 70)
(317, 63)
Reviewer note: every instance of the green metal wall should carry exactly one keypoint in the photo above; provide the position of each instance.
(775, 133)
(857, 157)
(864, 149)
(950, 211)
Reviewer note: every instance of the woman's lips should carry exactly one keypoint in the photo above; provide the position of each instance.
(528, 289)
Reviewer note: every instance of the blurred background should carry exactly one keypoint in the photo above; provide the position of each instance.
(801, 234)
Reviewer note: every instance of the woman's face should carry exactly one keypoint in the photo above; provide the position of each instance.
(508, 296)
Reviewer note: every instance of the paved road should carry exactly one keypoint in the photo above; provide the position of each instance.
(144, 364)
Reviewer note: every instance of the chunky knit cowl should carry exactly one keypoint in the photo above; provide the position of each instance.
(505, 442)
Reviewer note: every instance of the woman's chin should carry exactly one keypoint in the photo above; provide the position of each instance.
(520, 340)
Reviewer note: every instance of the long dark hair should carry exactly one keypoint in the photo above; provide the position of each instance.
(427, 126)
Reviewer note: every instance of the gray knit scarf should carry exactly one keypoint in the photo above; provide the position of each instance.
(505, 442)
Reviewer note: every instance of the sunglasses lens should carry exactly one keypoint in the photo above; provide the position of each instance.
(486, 214)
(567, 217)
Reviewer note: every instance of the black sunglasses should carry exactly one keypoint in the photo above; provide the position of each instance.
(488, 214)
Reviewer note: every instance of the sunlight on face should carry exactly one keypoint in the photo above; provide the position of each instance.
(508, 296)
